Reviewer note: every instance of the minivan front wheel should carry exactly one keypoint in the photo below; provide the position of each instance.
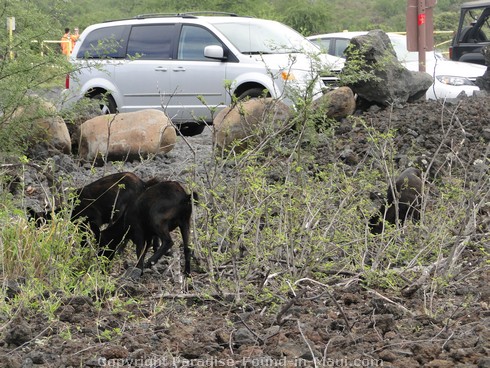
(254, 93)
(106, 102)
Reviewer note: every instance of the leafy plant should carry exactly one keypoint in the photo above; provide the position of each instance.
(24, 69)
(109, 334)
(45, 262)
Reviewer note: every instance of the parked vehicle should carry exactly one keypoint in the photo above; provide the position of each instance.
(450, 77)
(472, 34)
(191, 65)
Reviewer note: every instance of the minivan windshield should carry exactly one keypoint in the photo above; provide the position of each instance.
(269, 37)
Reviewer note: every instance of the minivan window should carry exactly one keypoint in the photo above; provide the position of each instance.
(264, 38)
(106, 42)
(192, 42)
(151, 42)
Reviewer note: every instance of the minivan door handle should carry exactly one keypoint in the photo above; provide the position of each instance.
(161, 69)
(179, 69)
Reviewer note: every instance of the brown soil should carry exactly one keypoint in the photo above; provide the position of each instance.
(344, 324)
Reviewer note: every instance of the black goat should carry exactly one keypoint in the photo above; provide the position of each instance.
(153, 215)
(103, 201)
(406, 198)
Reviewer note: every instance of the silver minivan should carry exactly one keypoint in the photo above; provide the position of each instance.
(192, 65)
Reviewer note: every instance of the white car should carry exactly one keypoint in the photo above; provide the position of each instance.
(450, 77)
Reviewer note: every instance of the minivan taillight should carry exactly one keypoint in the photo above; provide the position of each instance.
(450, 53)
(67, 81)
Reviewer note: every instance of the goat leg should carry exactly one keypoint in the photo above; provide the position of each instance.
(140, 251)
(163, 249)
(185, 231)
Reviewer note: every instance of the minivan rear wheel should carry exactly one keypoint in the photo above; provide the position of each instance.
(106, 102)
(190, 129)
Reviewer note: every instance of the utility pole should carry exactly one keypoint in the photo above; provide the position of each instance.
(422, 36)
(420, 28)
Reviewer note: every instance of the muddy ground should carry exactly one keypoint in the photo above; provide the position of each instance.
(348, 324)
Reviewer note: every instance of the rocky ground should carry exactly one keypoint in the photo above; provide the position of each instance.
(346, 324)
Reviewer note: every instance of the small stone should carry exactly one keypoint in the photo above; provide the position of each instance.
(18, 333)
(37, 357)
(27, 363)
(350, 298)
(390, 335)
(486, 133)
(114, 352)
(387, 356)
(439, 363)
(484, 362)
(243, 336)
(67, 313)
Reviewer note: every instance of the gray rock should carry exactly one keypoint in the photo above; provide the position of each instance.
(243, 336)
(389, 82)
(37, 357)
(27, 363)
(484, 363)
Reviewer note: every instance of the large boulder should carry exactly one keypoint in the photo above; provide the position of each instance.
(381, 77)
(48, 127)
(237, 127)
(484, 81)
(336, 104)
(130, 135)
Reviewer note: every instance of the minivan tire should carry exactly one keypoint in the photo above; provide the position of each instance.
(106, 103)
(253, 93)
(190, 129)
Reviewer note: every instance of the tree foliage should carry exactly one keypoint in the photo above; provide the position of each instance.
(23, 68)
(306, 16)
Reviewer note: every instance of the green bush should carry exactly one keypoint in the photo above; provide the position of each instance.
(45, 262)
(24, 70)
(273, 216)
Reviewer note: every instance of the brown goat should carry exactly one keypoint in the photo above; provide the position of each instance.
(403, 202)
(154, 214)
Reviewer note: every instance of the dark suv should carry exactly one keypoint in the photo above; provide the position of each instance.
(473, 33)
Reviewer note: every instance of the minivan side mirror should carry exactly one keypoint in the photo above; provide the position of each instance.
(214, 52)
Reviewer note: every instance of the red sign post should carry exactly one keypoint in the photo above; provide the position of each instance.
(420, 28)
